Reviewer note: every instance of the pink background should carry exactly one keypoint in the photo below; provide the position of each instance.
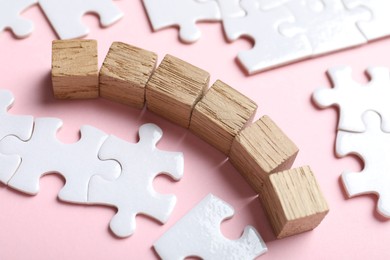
(41, 227)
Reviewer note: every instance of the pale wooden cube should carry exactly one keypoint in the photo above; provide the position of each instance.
(261, 149)
(75, 69)
(174, 89)
(124, 74)
(293, 201)
(220, 115)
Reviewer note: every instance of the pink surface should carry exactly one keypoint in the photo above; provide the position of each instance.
(41, 227)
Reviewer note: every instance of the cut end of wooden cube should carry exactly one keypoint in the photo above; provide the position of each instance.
(293, 201)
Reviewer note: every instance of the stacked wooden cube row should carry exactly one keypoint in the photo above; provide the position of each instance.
(220, 115)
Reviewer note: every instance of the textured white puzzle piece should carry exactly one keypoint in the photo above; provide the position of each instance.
(132, 193)
(271, 48)
(198, 234)
(65, 15)
(182, 13)
(353, 99)
(10, 17)
(373, 146)
(378, 26)
(43, 154)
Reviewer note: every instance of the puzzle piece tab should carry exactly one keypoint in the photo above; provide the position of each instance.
(182, 13)
(10, 17)
(198, 234)
(132, 193)
(43, 154)
(353, 99)
(65, 15)
(373, 146)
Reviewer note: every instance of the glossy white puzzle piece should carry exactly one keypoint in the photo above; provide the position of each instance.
(198, 234)
(353, 98)
(65, 15)
(373, 146)
(271, 48)
(378, 26)
(182, 13)
(10, 17)
(132, 193)
(43, 154)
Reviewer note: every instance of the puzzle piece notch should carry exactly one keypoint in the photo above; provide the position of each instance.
(66, 16)
(10, 17)
(353, 99)
(182, 13)
(132, 192)
(273, 50)
(373, 146)
(198, 234)
(43, 154)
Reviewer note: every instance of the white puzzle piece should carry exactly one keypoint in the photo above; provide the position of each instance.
(353, 99)
(198, 234)
(10, 17)
(230, 8)
(43, 154)
(182, 13)
(332, 28)
(19, 126)
(132, 193)
(271, 48)
(378, 26)
(373, 146)
(65, 15)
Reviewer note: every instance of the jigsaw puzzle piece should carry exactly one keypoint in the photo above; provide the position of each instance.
(182, 13)
(198, 234)
(353, 99)
(10, 17)
(328, 29)
(378, 26)
(373, 146)
(65, 15)
(43, 154)
(132, 193)
(271, 48)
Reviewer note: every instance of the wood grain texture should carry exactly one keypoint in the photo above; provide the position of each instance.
(293, 201)
(75, 69)
(124, 74)
(174, 89)
(220, 115)
(261, 149)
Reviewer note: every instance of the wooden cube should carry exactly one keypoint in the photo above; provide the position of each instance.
(293, 201)
(174, 89)
(220, 115)
(124, 74)
(262, 149)
(75, 69)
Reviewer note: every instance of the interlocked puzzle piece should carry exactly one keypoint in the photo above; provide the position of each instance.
(132, 193)
(182, 13)
(271, 48)
(19, 126)
(373, 146)
(65, 15)
(43, 154)
(332, 28)
(378, 26)
(10, 17)
(353, 99)
(198, 234)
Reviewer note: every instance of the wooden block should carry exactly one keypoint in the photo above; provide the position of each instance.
(293, 201)
(261, 149)
(220, 115)
(75, 69)
(124, 74)
(174, 89)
